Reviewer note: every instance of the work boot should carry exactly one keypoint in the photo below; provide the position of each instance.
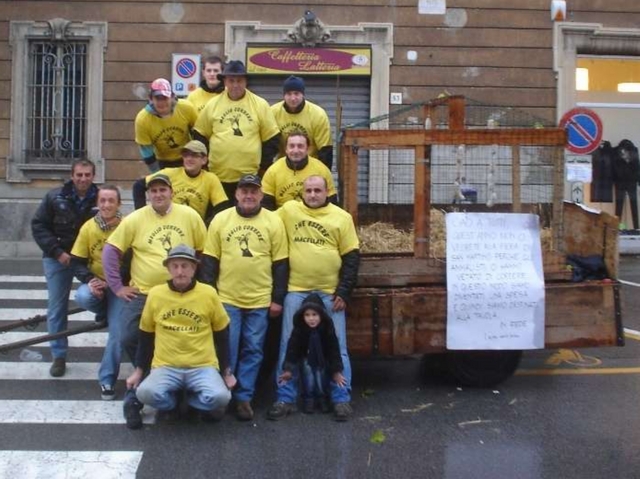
(244, 411)
(132, 415)
(309, 406)
(58, 367)
(280, 410)
(342, 411)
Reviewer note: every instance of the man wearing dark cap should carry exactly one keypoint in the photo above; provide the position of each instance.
(186, 316)
(163, 127)
(239, 128)
(296, 113)
(150, 233)
(192, 184)
(246, 259)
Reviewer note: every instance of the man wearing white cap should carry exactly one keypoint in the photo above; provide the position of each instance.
(163, 127)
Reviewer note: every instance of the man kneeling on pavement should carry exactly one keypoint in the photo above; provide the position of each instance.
(180, 323)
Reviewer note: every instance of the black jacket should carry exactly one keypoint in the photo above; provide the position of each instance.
(298, 345)
(58, 219)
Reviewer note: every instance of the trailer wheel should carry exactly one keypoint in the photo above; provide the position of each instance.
(482, 369)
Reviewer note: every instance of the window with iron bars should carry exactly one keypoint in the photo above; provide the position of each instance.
(56, 118)
(56, 97)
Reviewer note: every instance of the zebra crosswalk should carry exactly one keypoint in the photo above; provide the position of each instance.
(31, 398)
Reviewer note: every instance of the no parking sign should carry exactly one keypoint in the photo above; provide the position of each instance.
(185, 73)
(584, 130)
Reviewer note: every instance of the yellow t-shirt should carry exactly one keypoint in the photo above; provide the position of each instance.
(312, 120)
(183, 324)
(152, 236)
(285, 184)
(200, 97)
(236, 130)
(195, 192)
(89, 244)
(318, 238)
(169, 134)
(246, 248)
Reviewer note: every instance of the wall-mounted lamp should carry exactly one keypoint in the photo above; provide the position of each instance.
(558, 10)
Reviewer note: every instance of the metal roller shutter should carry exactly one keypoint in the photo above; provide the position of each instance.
(354, 94)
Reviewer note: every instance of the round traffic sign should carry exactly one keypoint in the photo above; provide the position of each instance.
(186, 68)
(584, 130)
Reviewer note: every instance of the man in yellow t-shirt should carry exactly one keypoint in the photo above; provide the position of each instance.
(210, 86)
(245, 257)
(239, 128)
(283, 181)
(163, 127)
(93, 294)
(184, 338)
(296, 113)
(324, 258)
(192, 185)
(150, 233)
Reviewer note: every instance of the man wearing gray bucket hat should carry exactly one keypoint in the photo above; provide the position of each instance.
(187, 316)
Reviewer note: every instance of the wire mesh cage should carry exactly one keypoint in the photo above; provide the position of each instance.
(401, 174)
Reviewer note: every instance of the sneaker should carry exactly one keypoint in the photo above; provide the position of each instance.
(309, 406)
(101, 319)
(244, 411)
(58, 368)
(280, 410)
(107, 393)
(132, 414)
(342, 411)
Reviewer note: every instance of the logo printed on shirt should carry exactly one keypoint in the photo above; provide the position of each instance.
(233, 117)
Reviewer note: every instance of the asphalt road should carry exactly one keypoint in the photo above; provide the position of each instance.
(565, 424)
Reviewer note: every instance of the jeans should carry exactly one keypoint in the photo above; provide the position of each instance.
(130, 324)
(315, 382)
(247, 332)
(206, 390)
(59, 280)
(288, 392)
(109, 306)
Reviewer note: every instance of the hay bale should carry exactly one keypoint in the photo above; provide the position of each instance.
(381, 237)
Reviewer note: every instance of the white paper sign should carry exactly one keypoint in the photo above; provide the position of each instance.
(579, 172)
(432, 7)
(495, 281)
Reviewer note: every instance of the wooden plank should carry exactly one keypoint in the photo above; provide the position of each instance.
(422, 203)
(516, 197)
(456, 113)
(382, 139)
(403, 325)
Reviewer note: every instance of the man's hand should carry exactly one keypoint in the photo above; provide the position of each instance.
(275, 310)
(135, 379)
(97, 287)
(339, 379)
(229, 379)
(64, 259)
(284, 377)
(339, 304)
(127, 293)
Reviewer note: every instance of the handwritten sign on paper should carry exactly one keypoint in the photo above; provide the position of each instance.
(495, 281)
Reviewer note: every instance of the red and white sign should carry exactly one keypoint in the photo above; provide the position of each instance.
(185, 73)
(584, 130)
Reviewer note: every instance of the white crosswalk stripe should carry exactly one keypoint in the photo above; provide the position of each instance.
(51, 410)
(70, 464)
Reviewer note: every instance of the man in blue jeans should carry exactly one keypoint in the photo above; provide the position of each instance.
(245, 258)
(324, 258)
(55, 226)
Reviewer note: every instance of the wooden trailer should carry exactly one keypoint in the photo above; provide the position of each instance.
(399, 306)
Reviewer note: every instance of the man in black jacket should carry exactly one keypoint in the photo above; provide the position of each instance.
(54, 227)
